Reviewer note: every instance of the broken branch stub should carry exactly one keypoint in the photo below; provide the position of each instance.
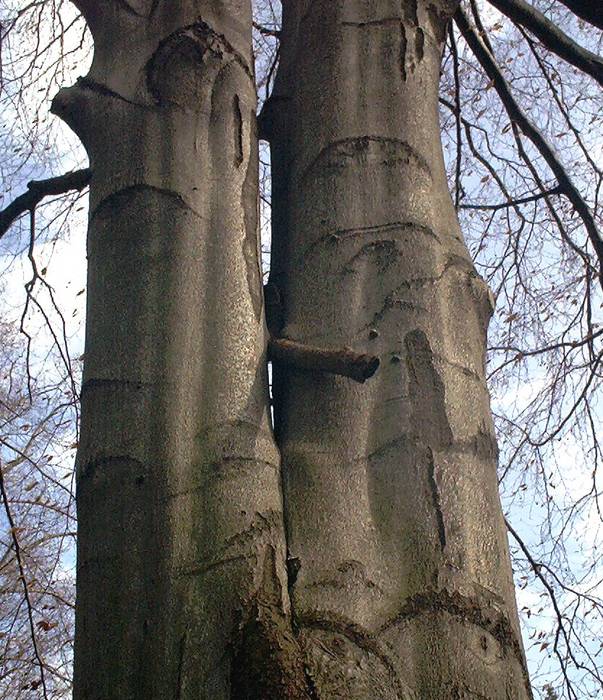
(343, 361)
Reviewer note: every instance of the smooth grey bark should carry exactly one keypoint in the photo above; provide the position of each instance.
(396, 551)
(181, 554)
(403, 583)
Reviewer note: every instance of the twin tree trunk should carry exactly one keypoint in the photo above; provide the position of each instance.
(362, 554)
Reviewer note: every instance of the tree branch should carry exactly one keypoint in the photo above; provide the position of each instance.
(536, 568)
(588, 10)
(514, 202)
(37, 190)
(344, 362)
(266, 31)
(565, 182)
(551, 36)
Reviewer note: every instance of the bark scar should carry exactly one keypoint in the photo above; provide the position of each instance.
(238, 131)
(435, 494)
(426, 388)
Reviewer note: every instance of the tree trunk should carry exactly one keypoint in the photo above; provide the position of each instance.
(397, 556)
(403, 586)
(181, 553)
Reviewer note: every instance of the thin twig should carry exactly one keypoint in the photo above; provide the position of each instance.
(514, 202)
(588, 10)
(266, 31)
(457, 100)
(17, 548)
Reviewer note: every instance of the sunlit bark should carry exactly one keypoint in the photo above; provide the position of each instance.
(403, 583)
(181, 552)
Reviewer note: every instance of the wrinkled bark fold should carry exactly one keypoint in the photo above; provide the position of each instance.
(403, 583)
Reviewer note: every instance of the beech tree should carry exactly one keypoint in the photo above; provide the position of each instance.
(357, 550)
(396, 547)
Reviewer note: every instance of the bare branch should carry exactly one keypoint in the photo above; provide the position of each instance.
(516, 114)
(37, 190)
(537, 568)
(457, 99)
(514, 202)
(266, 31)
(588, 10)
(551, 36)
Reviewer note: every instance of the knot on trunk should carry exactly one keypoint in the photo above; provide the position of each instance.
(186, 62)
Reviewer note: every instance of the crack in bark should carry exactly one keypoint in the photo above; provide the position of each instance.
(262, 524)
(251, 252)
(387, 248)
(381, 228)
(419, 43)
(267, 662)
(354, 569)
(99, 383)
(87, 468)
(226, 460)
(426, 389)
(412, 51)
(403, 51)
(86, 83)
(410, 8)
(125, 5)
(203, 569)
(482, 444)
(234, 470)
(238, 130)
(461, 368)
(391, 301)
(435, 495)
(293, 565)
(312, 689)
(372, 22)
(439, 21)
(345, 234)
